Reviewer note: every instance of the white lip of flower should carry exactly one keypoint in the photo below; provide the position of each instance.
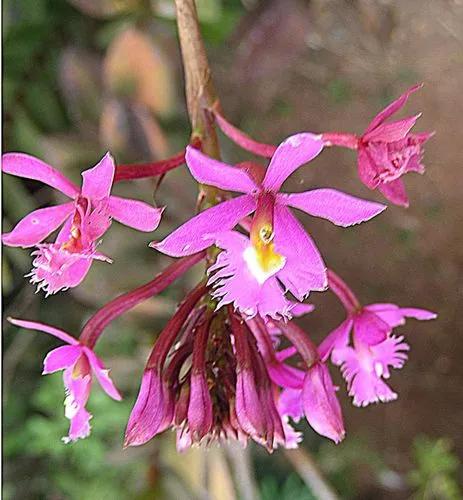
(252, 260)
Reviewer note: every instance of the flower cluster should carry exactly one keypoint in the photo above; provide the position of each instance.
(232, 362)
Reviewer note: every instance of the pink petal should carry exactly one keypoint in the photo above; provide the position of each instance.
(56, 269)
(304, 268)
(337, 339)
(233, 281)
(321, 406)
(292, 437)
(392, 108)
(285, 375)
(208, 171)
(97, 181)
(421, 314)
(294, 152)
(27, 166)
(390, 132)
(200, 231)
(301, 309)
(102, 375)
(369, 328)
(290, 403)
(78, 392)
(390, 313)
(390, 353)
(134, 213)
(363, 383)
(37, 225)
(41, 327)
(61, 358)
(337, 207)
(80, 426)
(367, 169)
(64, 234)
(395, 192)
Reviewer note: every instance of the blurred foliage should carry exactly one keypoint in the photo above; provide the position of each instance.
(291, 489)
(436, 469)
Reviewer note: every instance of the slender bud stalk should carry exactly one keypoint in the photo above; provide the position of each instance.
(240, 138)
(100, 320)
(349, 141)
(299, 338)
(167, 337)
(152, 169)
(345, 295)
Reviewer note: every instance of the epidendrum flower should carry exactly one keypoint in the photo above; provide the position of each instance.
(387, 150)
(79, 363)
(250, 271)
(78, 359)
(366, 361)
(65, 263)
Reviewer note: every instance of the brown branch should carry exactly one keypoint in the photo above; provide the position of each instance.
(199, 89)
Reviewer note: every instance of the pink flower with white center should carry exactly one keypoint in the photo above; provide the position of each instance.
(78, 363)
(386, 151)
(278, 246)
(374, 349)
(65, 263)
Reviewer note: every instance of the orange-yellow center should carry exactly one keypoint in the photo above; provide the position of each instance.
(261, 257)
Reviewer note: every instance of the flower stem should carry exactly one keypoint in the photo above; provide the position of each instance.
(349, 141)
(144, 170)
(345, 295)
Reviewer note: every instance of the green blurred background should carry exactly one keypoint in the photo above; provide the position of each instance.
(82, 77)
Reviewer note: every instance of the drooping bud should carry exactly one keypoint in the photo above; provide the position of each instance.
(200, 416)
(321, 406)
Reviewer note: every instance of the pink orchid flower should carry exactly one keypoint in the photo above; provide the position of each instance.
(78, 362)
(386, 151)
(365, 365)
(278, 245)
(65, 263)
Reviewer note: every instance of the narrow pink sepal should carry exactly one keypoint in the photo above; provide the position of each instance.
(321, 406)
(211, 172)
(392, 108)
(37, 225)
(337, 207)
(304, 269)
(29, 167)
(97, 181)
(390, 132)
(291, 154)
(199, 232)
(395, 192)
(61, 358)
(134, 213)
(41, 327)
(420, 314)
(102, 374)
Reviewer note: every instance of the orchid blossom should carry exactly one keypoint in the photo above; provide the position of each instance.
(65, 263)
(79, 364)
(279, 250)
(374, 349)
